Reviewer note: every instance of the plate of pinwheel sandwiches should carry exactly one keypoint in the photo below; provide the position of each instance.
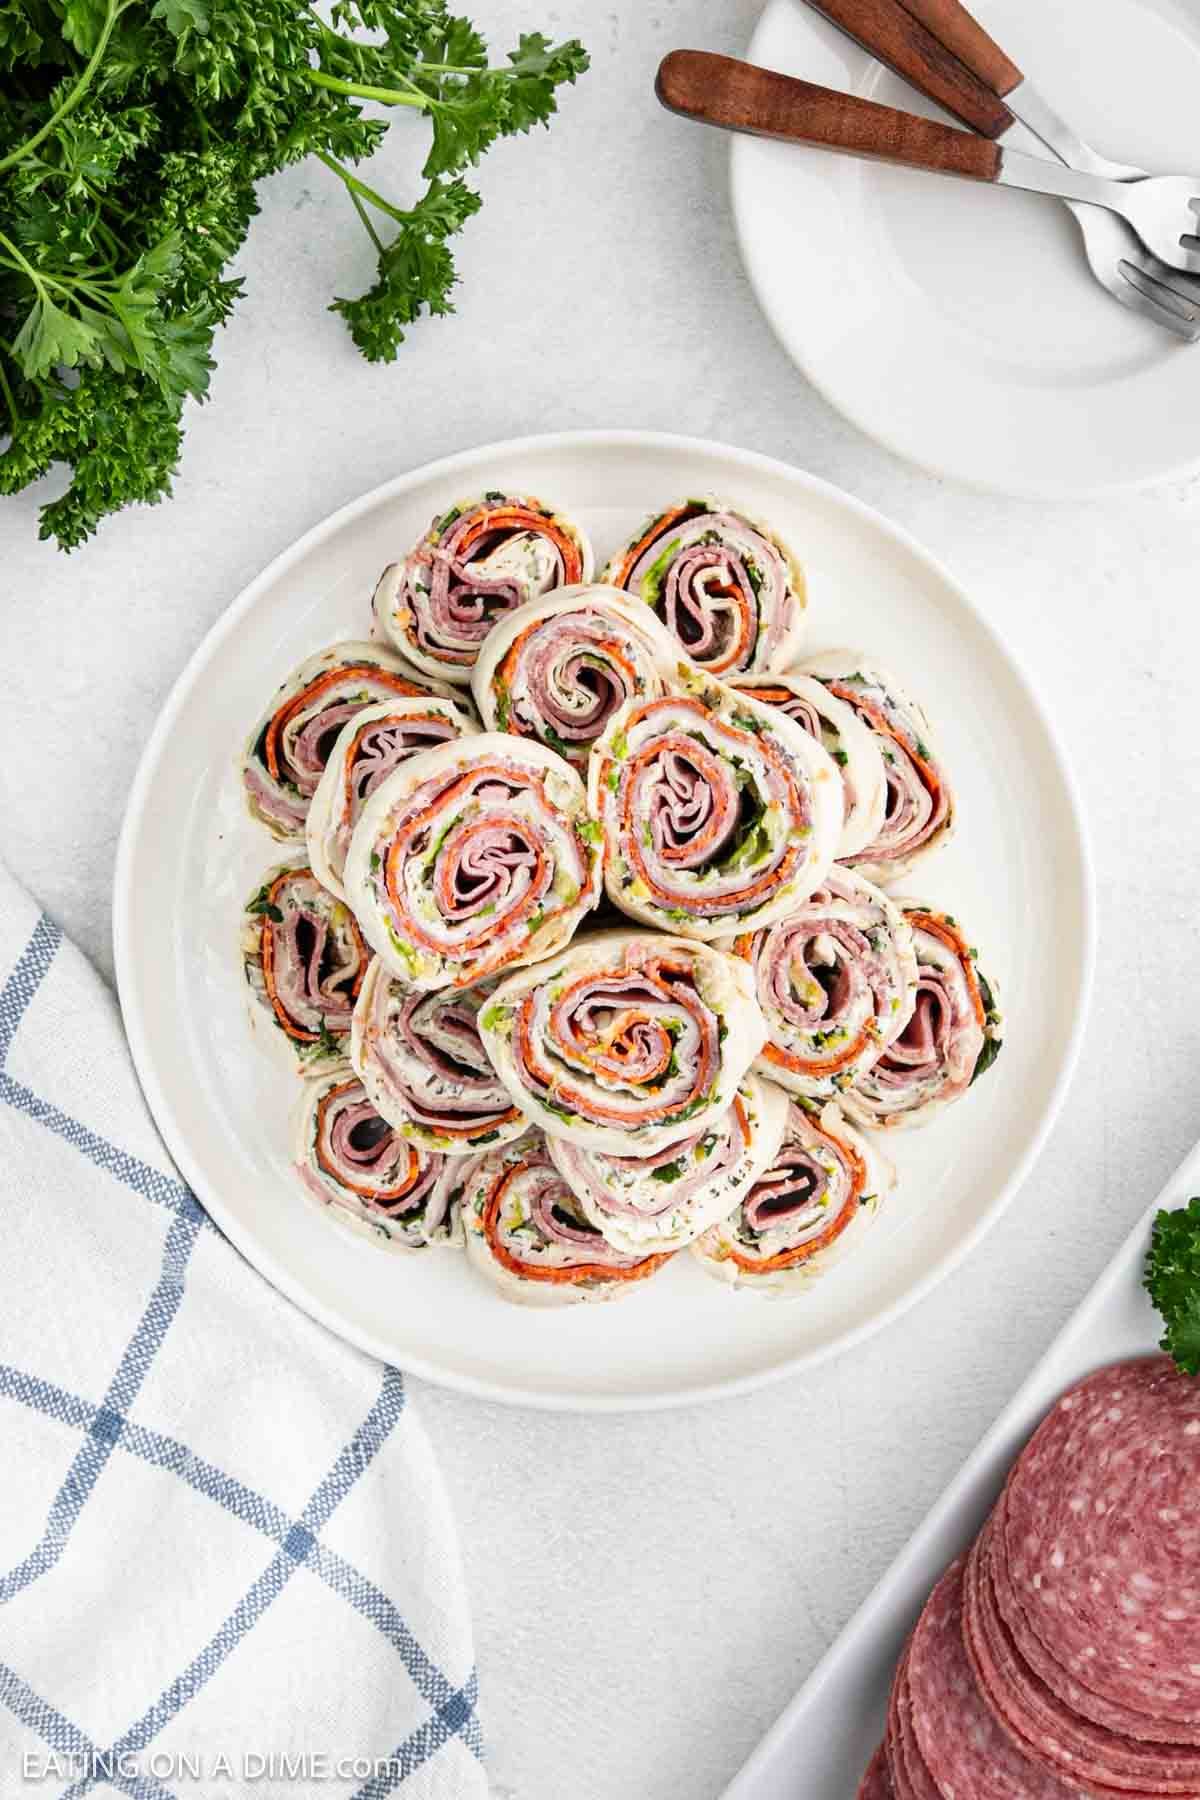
(604, 867)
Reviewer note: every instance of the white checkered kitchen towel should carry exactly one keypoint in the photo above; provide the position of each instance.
(227, 1567)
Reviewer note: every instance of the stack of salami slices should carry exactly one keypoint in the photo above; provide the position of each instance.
(1061, 1655)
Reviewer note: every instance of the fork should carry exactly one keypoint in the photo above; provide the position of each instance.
(719, 90)
(940, 49)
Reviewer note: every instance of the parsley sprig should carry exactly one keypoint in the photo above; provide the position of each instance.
(1172, 1279)
(133, 137)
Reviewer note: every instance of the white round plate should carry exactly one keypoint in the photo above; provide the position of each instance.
(960, 325)
(1018, 872)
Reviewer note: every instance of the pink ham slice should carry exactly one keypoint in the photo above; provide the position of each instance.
(462, 605)
(381, 748)
(469, 1092)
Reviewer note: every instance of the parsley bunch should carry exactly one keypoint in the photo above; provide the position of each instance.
(133, 134)
(1172, 1279)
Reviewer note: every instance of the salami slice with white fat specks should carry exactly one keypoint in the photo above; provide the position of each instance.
(876, 1784)
(911, 1779)
(966, 1753)
(1044, 1726)
(1124, 1720)
(1102, 1538)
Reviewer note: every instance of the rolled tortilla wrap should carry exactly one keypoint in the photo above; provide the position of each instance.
(557, 669)
(304, 960)
(725, 585)
(806, 1213)
(663, 1201)
(421, 1060)
(351, 1160)
(953, 1034)
(853, 747)
(472, 858)
(837, 982)
(368, 748)
(719, 815)
(287, 751)
(920, 810)
(626, 1042)
(525, 1232)
(478, 560)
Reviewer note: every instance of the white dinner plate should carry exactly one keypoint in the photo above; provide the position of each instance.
(820, 1745)
(958, 324)
(190, 854)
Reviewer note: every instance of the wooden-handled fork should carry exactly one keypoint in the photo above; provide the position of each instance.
(965, 72)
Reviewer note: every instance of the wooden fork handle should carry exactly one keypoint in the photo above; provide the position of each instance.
(953, 26)
(897, 35)
(719, 90)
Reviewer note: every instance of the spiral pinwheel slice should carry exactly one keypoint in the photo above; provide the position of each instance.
(374, 743)
(558, 669)
(853, 747)
(725, 585)
(661, 1202)
(351, 1160)
(719, 814)
(919, 810)
(289, 747)
(472, 858)
(526, 1232)
(304, 959)
(478, 561)
(627, 1042)
(421, 1060)
(837, 982)
(954, 1034)
(807, 1212)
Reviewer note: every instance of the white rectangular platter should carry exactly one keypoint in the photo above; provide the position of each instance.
(819, 1747)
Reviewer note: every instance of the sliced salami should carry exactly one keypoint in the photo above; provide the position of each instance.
(966, 1753)
(876, 1784)
(1126, 1721)
(1102, 1538)
(891, 1735)
(1044, 1726)
(910, 1774)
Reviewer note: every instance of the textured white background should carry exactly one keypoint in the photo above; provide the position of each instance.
(649, 1591)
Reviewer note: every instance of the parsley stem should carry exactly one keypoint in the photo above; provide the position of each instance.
(365, 216)
(432, 68)
(42, 278)
(95, 287)
(388, 96)
(23, 263)
(111, 241)
(8, 397)
(360, 187)
(111, 14)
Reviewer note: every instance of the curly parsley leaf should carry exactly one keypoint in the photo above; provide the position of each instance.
(1172, 1279)
(415, 273)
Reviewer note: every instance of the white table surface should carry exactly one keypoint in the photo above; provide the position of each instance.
(648, 1591)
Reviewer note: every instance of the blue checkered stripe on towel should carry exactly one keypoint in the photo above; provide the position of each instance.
(226, 1562)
